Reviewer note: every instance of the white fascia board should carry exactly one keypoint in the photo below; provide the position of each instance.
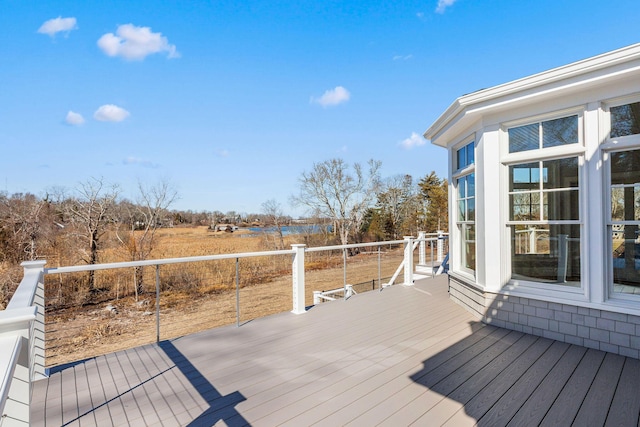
(572, 74)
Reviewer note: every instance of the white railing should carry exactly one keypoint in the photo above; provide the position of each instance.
(22, 346)
(22, 332)
(410, 244)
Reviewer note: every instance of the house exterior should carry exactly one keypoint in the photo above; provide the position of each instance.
(544, 200)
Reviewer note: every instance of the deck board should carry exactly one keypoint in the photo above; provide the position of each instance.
(568, 402)
(509, 403)
(401, 356)
(595, 406)
(625, 407)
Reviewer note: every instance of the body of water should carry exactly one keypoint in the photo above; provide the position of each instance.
(292, 229)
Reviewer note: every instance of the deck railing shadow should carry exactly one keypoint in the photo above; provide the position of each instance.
(222, 408)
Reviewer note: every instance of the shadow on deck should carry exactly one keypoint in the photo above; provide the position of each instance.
(404, 355)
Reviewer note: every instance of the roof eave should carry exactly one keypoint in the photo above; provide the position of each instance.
(459, 107)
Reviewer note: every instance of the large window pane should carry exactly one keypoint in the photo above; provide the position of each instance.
(625, 203)
(471, 209)
(469, 246)
(524, 138)
(462, 188)
(466, 218)
(560, 132)
(462, 158)
(625, 120)
(626, 258)
(525, 206)
(561, 173)
(471, 185)
(462, 209)
(524, 177)
(471, 154)
(561, 205)
(625, 167)
(465, 156)
(546, 253)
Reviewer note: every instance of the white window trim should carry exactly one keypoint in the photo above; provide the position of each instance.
(532, 288)
(455, 244)
(609, 146)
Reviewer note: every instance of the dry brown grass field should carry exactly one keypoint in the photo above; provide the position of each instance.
(194, 296)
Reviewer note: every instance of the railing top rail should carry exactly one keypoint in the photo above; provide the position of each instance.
(24, 295)
(151, 262)
(352, 245)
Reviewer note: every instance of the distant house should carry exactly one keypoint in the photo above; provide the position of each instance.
(544, 179)
(230, 228)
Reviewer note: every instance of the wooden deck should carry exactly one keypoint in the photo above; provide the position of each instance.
(406, 355)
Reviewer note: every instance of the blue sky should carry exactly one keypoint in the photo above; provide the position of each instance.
(231, 101)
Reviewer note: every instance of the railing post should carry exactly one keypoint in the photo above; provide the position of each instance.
(157, 303)
(440, 246)
(297, 275)
(408, 260)
(422, 252)
(344, 273)
(37, 339)
(348, 292)
(238, 292)
(22, 324)
(379, 275)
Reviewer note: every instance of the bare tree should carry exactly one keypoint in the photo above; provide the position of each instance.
(138, 223)
(396, 202)
(91, 213)
(274, 216)
(331, 189)
(23, 226)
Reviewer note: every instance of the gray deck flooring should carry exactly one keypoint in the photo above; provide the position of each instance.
(403, 356)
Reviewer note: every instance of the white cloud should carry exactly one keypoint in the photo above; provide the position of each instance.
(136, 161)
(110, 113)
(332, 97)
(135, 43)
(414, 140)
(56, 25)
(443, 4)
(402, 57)
(74, 119)
(223, 153)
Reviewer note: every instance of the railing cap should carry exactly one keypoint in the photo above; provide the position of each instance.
(28, 265)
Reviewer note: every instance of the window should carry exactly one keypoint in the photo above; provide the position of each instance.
(465, 199)
(625, 120)
(465, 156)
(547, 134)
(624, 224)
(544, 204)
(546, 190)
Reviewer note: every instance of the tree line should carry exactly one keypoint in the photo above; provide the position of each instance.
(363, 206)
(75, 226)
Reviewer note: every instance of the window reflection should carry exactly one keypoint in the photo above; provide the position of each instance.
(550, 133)
(625, 244)
(625, 120)
(547, 253)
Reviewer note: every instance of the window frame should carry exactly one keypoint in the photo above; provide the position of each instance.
(534, 156)
(608, 147)
(459, 258)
